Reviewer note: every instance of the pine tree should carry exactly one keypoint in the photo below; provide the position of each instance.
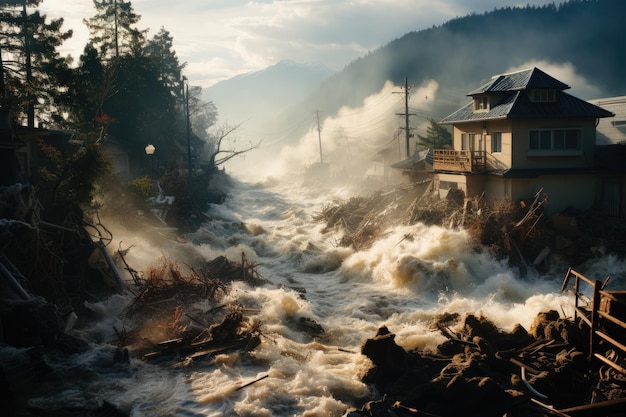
(437, 137)
(113, 30)
(160, 50)
(33, 70)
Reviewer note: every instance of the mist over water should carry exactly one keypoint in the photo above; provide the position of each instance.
(405, 280)
(400, 282)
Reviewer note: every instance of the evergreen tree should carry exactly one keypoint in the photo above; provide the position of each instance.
(143, 108)
(90, 86)
(160, 50)
(33, 70)
(113, 30)
(437, 136)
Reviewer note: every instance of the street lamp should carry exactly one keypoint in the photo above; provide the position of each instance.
(150, 152)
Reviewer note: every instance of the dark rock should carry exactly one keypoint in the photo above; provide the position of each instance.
(388, 358)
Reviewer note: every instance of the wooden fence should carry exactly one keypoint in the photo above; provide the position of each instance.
(604, 313)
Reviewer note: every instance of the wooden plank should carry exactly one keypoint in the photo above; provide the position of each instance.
(611, 340)
(213, 351)
(610, 363)
(583, 315)
(596, 409)
(523, 365)
(612, 319)
(594, 319)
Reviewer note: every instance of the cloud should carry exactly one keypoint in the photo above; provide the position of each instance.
(349, 138)
(565, 72)
(246, 36)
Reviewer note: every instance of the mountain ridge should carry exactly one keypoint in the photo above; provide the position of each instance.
(578, 42)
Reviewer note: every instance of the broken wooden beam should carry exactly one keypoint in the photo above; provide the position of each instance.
(597, 409)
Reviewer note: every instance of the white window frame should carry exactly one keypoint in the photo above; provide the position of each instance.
(467, 140)
(481, 104)
(496, 142)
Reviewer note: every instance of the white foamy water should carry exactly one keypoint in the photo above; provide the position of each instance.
(410, 275)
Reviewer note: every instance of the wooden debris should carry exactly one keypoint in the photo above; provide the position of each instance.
(482, 371)
(252, 382)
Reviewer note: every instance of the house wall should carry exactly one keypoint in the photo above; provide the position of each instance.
(523, 158)
(471, 185)
(611, 195)
(562, 191)
(443, 183)
(483, 131)
(611, 130)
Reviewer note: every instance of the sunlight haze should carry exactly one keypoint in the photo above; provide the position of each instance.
(221, 39)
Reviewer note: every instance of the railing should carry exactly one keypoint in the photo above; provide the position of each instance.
(463, 161)
(597, 315)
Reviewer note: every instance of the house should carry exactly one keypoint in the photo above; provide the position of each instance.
(611, 130)
(610, 156)
(418, 167)
(519, 134)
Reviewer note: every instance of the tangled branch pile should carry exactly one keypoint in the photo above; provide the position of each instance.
(504, 227)
(167, 311)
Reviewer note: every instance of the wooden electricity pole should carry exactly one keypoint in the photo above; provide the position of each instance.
(406, 115)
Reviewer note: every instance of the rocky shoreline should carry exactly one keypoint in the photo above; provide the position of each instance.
(483, 371)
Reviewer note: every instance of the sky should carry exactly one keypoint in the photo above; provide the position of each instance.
(218, 39)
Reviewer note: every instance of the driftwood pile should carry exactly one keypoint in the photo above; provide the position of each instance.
(363, 219)
(163, 325)
(482, 371)
(517, 231)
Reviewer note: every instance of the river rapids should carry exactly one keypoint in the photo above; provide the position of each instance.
(398, 282)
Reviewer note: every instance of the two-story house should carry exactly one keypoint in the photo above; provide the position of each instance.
(519, 134)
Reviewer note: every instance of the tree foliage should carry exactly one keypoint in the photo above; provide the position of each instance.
(72, 172)
(437, 136)
(113, 28)
(161, 51)
(124, 88)
(34, 73)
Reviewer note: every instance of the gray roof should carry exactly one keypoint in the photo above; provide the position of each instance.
(508, 100)
(425, 155)
(528, 79)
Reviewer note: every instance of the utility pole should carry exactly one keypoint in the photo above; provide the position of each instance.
(188, 123)
(406, 115)
(319, 135)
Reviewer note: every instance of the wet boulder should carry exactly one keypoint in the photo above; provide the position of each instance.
(389, 359)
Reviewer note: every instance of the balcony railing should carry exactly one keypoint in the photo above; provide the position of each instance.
(460, 161)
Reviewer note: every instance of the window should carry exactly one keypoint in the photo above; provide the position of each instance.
(466, 141)
(496, 142)
(555, 139)
(447, 185)
(481, 103)
(543, 96)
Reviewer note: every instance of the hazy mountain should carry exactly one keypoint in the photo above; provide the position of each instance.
(258, 97)
(580, 42)
(583, 36)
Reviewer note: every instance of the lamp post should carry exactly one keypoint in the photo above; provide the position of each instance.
(188, 123)
(150, 152)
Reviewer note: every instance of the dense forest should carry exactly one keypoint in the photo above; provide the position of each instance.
(124, 87)
(462, 53)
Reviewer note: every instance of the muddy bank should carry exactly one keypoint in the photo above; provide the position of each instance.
(482, 371)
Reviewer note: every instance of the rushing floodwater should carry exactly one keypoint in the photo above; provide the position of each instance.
(401, 283)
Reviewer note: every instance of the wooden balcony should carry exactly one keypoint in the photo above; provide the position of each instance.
(459, 161)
